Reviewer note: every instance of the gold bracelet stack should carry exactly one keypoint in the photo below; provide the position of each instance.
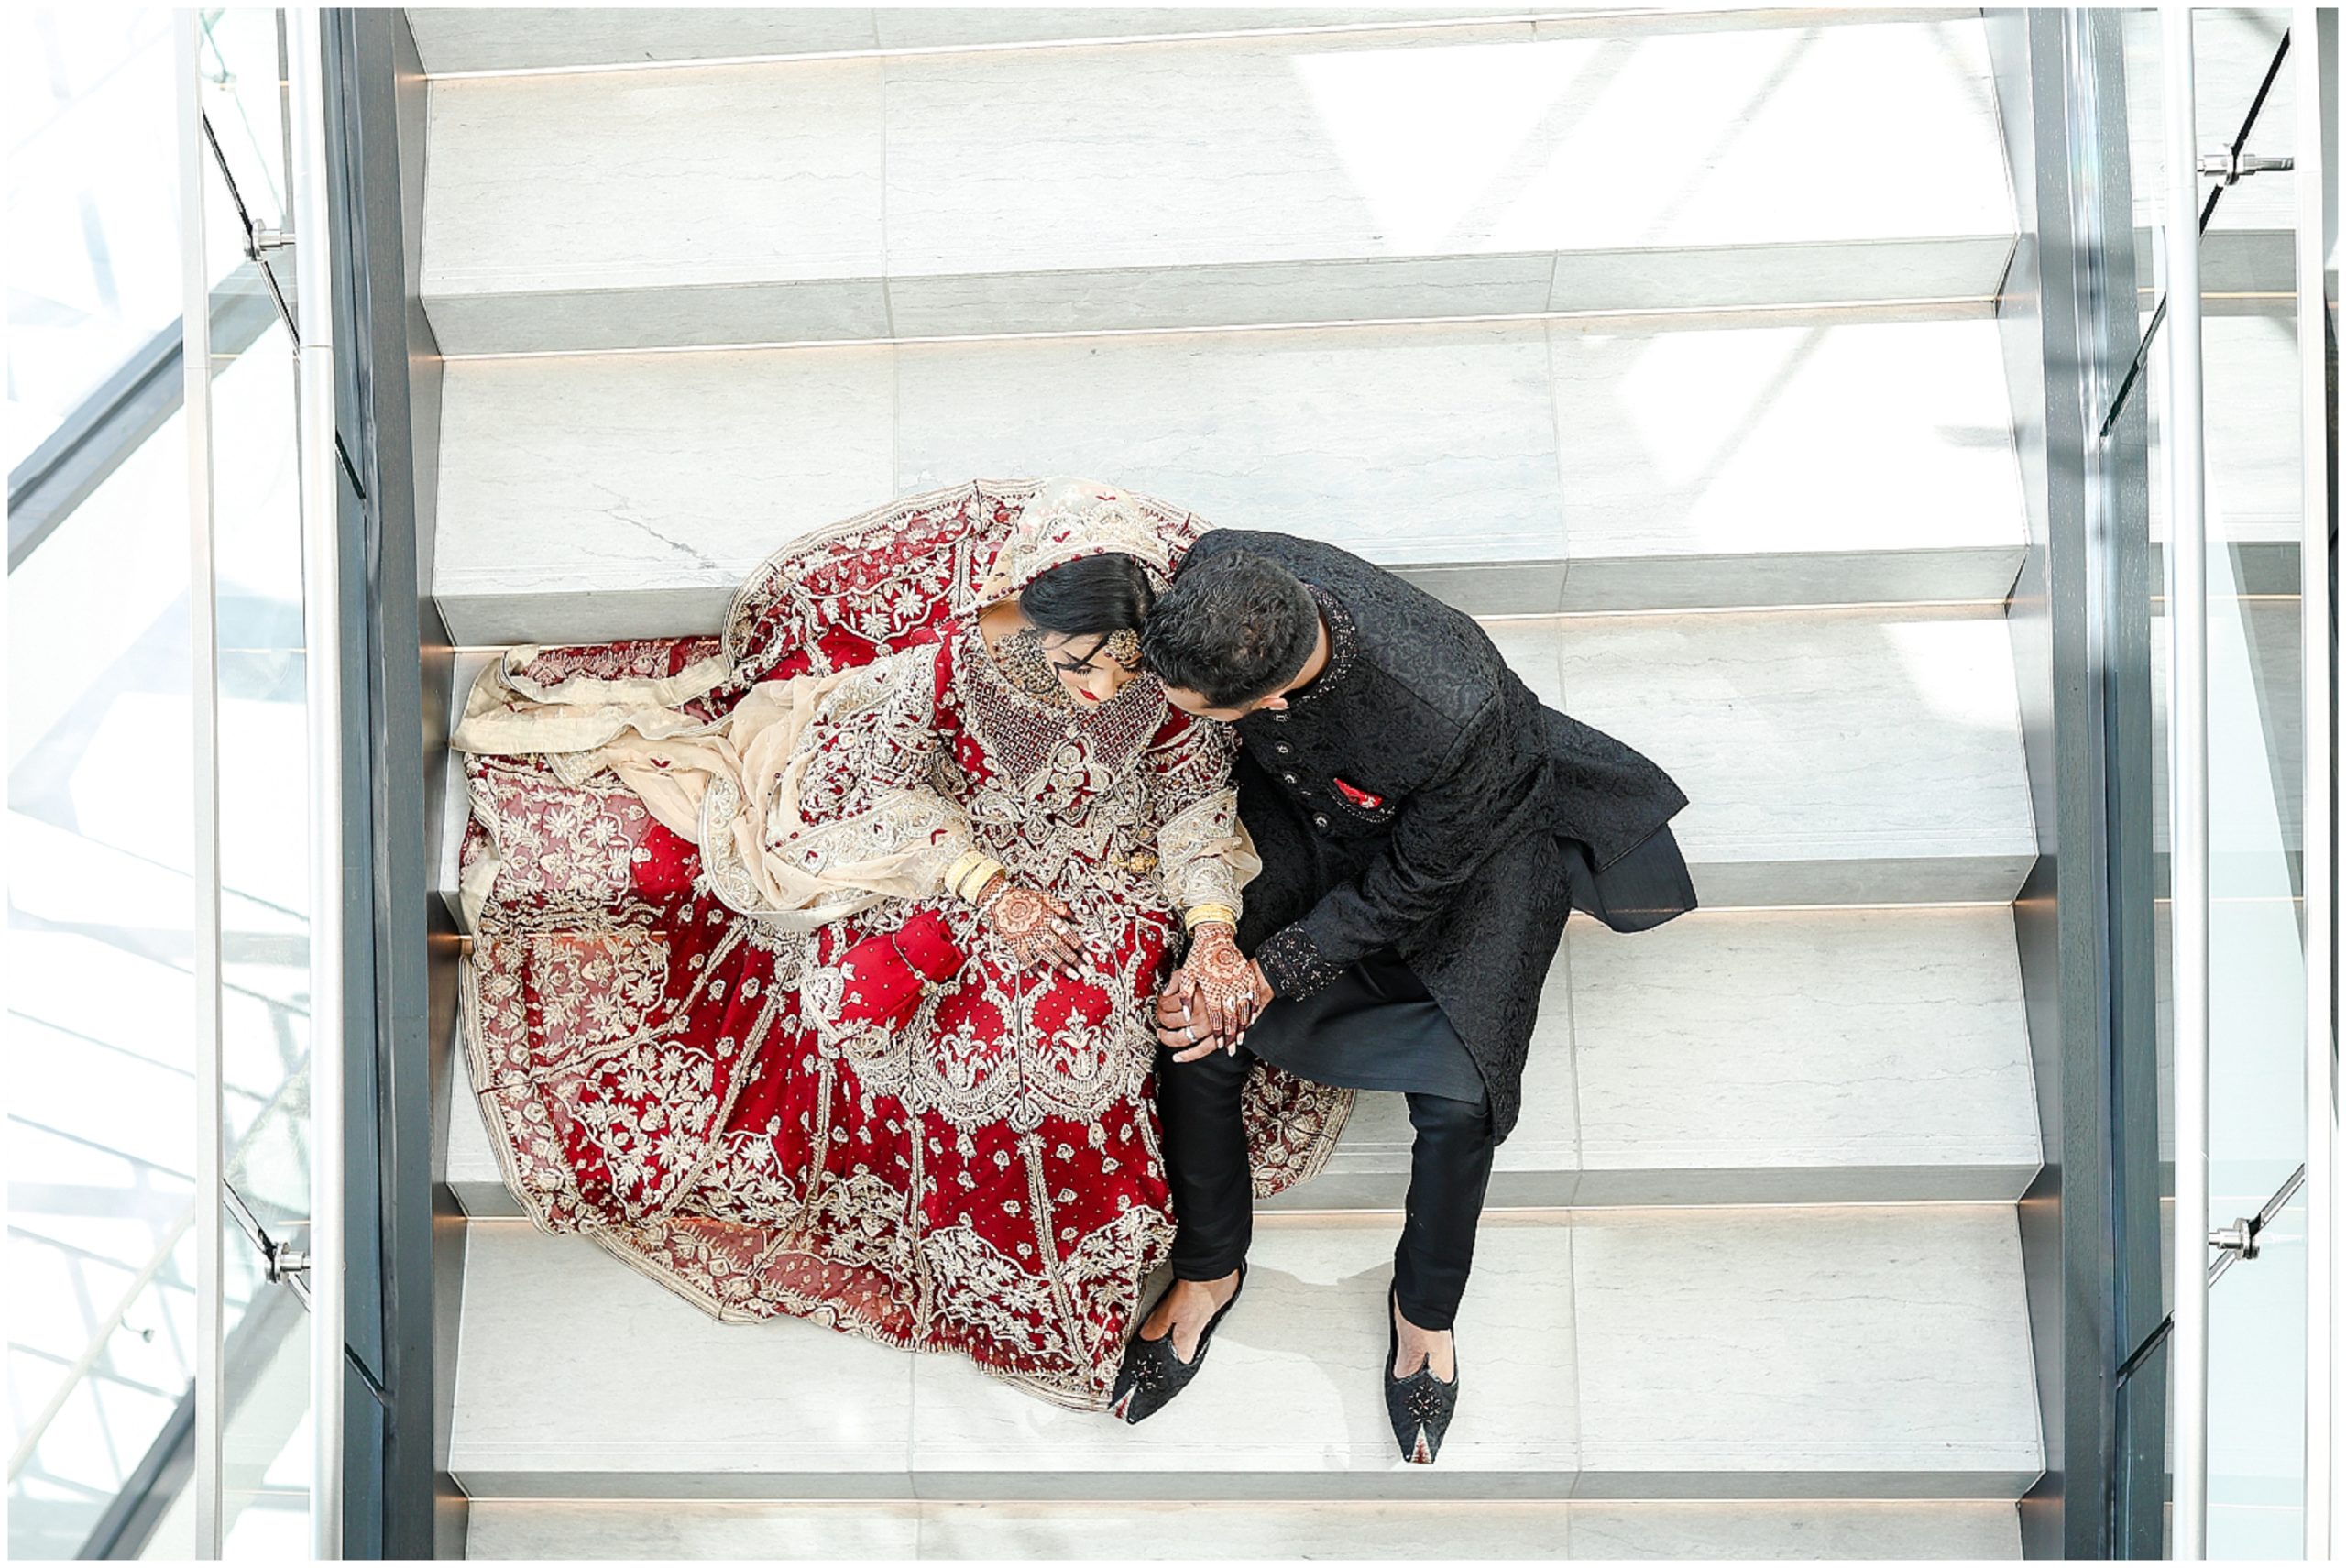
(969, 875)
(1210, 915)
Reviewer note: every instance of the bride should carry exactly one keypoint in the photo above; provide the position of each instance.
(813, 967)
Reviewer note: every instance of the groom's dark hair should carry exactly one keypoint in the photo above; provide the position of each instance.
(1234, 627)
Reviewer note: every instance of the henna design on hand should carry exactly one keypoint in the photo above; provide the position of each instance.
(1028, 924)
(1224, 986)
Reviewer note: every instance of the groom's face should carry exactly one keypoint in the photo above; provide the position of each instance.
(1197, 705)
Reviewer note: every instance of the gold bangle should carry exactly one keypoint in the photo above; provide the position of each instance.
(1210, 915)
(963, 864)
(975, 878)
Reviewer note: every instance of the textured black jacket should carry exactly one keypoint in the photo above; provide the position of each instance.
(1418, 797)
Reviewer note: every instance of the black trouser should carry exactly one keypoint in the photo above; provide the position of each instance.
(1214, 1196)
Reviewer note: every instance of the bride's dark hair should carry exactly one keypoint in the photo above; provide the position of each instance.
(1092, 596)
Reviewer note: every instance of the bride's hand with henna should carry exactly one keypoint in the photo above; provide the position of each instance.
(1038, 928)
(1221, 993)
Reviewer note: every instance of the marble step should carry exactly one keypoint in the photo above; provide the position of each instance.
(1802, 1056)
(1823, 1353)
(1419, 1531)
(1830, 757)
(1501, 168)
(1800, 457)
(559, 38)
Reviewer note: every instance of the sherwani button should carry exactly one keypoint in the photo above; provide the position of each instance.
(1319, 821)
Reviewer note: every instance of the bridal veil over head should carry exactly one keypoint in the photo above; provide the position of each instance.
(732, 783)
(1067, 520)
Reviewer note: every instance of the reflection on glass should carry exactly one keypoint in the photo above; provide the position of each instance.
(101, 1331)
(94, 262)
(103, 1213)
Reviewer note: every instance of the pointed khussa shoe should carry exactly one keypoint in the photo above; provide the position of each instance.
(1151, 1374)
(1421, 1405)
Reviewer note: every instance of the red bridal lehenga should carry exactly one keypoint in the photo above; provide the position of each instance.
(677, 844)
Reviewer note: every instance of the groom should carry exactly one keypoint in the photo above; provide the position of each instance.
(1425, 827)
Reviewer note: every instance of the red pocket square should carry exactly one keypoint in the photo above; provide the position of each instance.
(1359, 797)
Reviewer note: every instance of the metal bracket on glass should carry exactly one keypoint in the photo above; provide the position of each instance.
(2230, 166)
(263, 239)
(283, 1261)
(2242, 1239)
(2240, 1236)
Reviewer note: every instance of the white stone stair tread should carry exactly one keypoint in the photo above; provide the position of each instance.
(1434, 172)
(1214, 1530)
(1802, 458)
(1808, 1056)
(1743, 1057)
(2255, 436)
(481, 38)
(1843, 756)
(1830, 757)
(1846, 1352)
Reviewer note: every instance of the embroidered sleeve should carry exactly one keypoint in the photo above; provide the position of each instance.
(1293, 963)
(1203, 853)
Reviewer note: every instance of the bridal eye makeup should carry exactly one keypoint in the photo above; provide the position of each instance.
(1104, 655)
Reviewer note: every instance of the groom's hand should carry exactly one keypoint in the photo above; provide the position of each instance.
(1176, 1030)
(1213, 999)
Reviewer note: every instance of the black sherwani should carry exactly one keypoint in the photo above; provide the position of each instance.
(1418, 800)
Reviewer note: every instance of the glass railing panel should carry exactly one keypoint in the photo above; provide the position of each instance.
(265, 950)
(2256, 1036)
(264, 1446)
(2256, 1394)
(2256, 952)
(242, 63)
(262, 784)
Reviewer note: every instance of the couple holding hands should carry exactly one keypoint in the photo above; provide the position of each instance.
(1016, 890)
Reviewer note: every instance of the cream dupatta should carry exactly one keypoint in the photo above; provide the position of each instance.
(736, 786)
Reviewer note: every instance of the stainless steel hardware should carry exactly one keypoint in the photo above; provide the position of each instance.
(2240, 1237)
(2233, 167)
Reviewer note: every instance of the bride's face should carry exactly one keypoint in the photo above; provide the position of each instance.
(1087, 667)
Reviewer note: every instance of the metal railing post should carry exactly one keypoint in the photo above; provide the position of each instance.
(2186, 604)
(322, 639)
(2317, 225)
(203, 669)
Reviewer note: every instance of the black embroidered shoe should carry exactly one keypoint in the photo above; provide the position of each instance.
(1420, 1404)
(1151, 1374)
